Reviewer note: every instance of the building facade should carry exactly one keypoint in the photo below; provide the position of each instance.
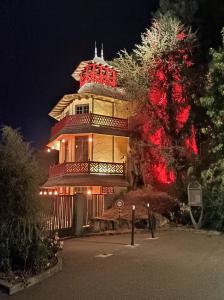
(91, 135)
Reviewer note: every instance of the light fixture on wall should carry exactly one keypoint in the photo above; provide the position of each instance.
(52, 148)
(55, 192)
(48, 150)
(90, 139)
(63, 140)
(89, 192)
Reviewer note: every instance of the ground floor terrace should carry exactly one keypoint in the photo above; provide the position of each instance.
(179, 265)
(69, 210)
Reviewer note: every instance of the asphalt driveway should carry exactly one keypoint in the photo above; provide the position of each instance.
(179, 265)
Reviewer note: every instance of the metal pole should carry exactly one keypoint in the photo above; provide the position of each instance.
(133, 225)
(149, 222)
(119, 217)
(152, 224)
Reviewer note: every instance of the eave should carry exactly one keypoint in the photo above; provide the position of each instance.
(87, 180)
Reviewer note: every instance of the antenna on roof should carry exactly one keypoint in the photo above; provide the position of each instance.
(102, 51)
(95, 50)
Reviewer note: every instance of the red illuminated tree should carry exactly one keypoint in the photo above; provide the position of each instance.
(158, 76)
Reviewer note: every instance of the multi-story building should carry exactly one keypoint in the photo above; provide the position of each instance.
(91, 135)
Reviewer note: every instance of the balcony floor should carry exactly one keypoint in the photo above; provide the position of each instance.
(87, 180)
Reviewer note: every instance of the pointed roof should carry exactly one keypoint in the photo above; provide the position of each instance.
(97, 59)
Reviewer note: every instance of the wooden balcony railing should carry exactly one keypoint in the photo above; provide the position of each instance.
(90, 120)
(89, 167)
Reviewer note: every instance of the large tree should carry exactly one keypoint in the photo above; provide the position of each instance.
(213, 133)
(204, 16)
(158, 78)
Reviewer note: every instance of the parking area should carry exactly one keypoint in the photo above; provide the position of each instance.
(178, 265)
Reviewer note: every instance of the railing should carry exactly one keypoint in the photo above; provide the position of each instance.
(89, 167)
(91, 120)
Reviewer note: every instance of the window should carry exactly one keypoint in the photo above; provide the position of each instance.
(81, 148)
(82, 109)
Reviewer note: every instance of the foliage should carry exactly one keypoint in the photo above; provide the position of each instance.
(22, 244)
(213, 132)
(214, 104)
(158, 76)
(204, 16)
(184, 9)
(213, 183)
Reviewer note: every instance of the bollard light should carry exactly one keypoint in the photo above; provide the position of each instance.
(133, 226)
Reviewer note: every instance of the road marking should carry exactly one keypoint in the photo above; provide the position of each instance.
(132, 246)
(150, 238)
(104, 255)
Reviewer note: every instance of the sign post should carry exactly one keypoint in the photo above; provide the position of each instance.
(119, 204)
(195, 202)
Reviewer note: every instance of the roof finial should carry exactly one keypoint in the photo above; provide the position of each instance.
(95, 50)
(102, 51)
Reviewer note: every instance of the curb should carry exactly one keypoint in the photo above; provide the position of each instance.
(16, 287)
(201, 231)
(175, 229)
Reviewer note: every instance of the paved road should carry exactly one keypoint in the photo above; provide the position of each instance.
(179, 265)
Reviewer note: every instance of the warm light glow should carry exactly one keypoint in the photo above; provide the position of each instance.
(63, 140)
(50, 193)
(41, 193)
(133, 207)
(55, 192)
(90, 139)
(45, 193)
(89, 192)
(147, 204)
(52, 147)
(48, 150)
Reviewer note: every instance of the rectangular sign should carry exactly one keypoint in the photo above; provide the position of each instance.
(195, 197)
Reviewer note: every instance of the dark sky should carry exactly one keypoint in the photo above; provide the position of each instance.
(43, 41)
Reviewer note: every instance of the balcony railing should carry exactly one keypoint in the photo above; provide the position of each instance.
(89, 167)
(89, 120)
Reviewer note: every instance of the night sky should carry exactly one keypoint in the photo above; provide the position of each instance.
(43, 41)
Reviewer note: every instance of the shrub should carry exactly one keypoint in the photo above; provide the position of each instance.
(23, 246)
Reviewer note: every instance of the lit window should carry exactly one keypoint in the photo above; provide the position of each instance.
(82, 109)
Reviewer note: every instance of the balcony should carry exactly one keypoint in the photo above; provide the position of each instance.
(81, 123)
(87, 168)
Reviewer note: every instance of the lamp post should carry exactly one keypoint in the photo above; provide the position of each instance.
(133, 226)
